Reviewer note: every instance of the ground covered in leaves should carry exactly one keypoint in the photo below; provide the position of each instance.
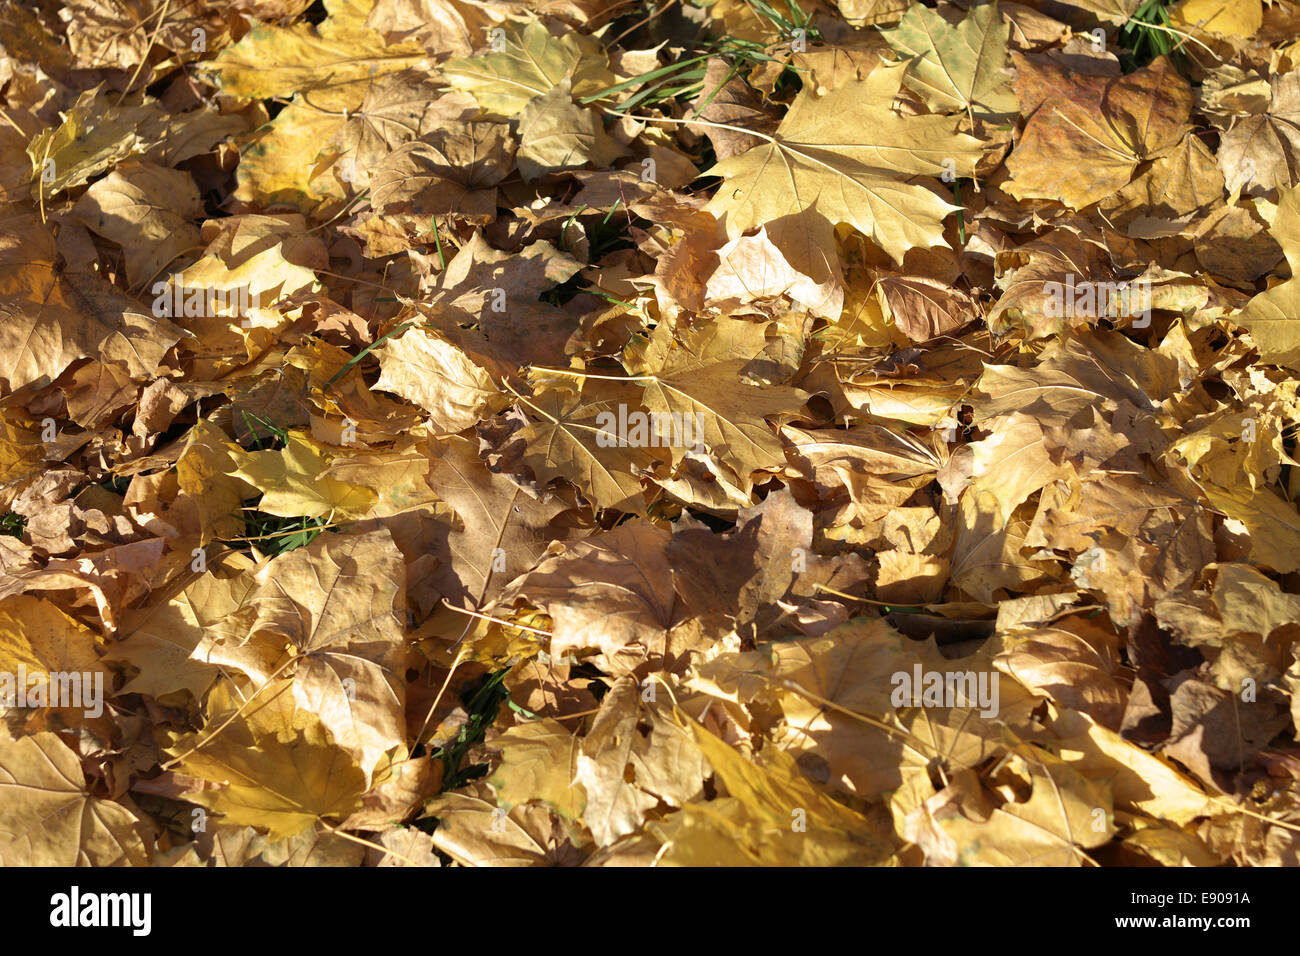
(577, 431)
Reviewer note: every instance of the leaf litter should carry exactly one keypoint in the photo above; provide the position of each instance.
(480, 432)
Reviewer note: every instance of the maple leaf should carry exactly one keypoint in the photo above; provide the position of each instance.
(205, 477)
(1051, 828)
(751, 267)
(330, 64)
(48, 323)
(48, 816)
(1073, 663)
(442, 26)
(283, 784)
(114, 33)
(278, 160)
(146, 209)
(398, 107)
(626, 607)
(539, 762)
(432, 372)
(824, 685)
(472, 831)
(844, 157)
(1141, 781)
(97, 133)
(500, 523)
(959, 67)
(1087, 134)
(1273, 317)
(567, 437)
(752, 826)
(624, 774)
(291, 483)
(450, 171)
(532, 64)
(501, 293)
(38, 637)
(160, 641)
(697, 378)
(1114, 11)
(555, 134)
(877, 467)
(1008, 466)
(766, 572)
(343, 636)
